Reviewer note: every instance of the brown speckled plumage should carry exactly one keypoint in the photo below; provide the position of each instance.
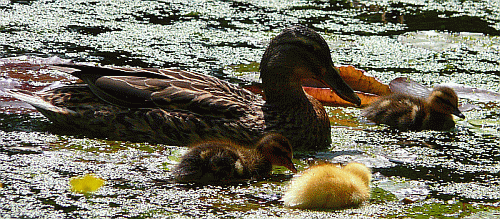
(405, 112)
(223, 161)
(178, 108)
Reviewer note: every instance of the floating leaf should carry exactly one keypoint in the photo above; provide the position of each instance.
(472, 93)
(359, 80)
(484, 122)
(369, 88)
(407, 86)
(86, 184)
(485, 126)
(443, 41)
(329, 98)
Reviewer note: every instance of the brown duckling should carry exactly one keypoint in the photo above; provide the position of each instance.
(224, 161)
(328, 186)
(177, 107)
(405, 112)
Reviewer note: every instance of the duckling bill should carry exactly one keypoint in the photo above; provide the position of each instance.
(328, 186)
(223, 161)
(406, 112)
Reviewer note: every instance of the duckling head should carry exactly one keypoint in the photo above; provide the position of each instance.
(295, 54)
(444, 100)
(277, 150)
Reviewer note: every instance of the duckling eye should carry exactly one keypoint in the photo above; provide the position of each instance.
(445, 101)
(310, 48)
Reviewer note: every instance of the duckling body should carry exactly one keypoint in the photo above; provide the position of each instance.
(224, 161)
(178, 108)
(328, 186)
(405, 112)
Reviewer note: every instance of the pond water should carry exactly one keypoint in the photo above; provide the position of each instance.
(417, 174)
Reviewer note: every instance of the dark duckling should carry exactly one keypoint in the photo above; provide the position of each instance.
(224, 161)
(405, 112)
(177, 107)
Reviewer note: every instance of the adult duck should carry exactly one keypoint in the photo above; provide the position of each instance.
(178, 107)
(222, 161)
(415, 108)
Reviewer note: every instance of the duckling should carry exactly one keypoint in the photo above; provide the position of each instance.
(328, 186)
(223, 161)
(405, 112)
(177, 107)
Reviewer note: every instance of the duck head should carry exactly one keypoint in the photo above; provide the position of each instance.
(444, 100)
(276, 149)
(295, 54)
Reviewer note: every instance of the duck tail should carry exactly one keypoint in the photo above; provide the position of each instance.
(39, 103)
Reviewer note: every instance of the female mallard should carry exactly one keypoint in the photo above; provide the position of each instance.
(403, 111)
(178, 108)
(329, 186)
(223, 161)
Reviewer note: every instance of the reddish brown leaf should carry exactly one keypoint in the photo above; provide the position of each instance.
(329, 98)
(358, 80)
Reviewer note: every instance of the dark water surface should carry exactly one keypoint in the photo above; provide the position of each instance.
(417, 174)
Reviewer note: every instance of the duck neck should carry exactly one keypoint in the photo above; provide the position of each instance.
(283, 90)
(291, 112)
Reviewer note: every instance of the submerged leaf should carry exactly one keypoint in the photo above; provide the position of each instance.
(86, 184)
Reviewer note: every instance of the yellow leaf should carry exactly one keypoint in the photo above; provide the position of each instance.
(86, 184)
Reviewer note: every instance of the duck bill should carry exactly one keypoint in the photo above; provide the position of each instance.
(457, 112)
(333, 79)
(289, 165)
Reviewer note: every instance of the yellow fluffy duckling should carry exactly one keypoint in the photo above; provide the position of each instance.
(328, 186)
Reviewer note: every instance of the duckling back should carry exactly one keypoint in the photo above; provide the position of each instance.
(399, 111)
(405, 112)
(329, 186)
(224, 161)
(210, 162)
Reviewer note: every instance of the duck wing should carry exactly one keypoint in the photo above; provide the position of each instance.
(407, 86)
(163, 88)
